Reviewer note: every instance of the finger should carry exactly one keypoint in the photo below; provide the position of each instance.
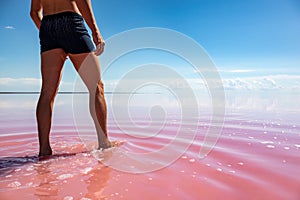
(99, 49)
(96, 52)
(102, 46)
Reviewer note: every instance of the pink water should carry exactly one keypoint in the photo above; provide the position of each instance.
(256, 157)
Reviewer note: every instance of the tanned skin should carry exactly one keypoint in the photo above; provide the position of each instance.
(52, 62)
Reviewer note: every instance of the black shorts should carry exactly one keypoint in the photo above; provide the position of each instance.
(67, 31)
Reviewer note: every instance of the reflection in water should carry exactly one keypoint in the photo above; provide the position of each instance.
(55, 177)
(46, 181)
(65, 175)
(236, 167)
(97, 181)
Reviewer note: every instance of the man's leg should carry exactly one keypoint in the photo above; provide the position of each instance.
(51, 66)
(88, 67)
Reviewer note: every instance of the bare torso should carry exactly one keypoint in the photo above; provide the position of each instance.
(51, 7)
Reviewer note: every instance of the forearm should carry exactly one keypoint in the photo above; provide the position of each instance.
(85, 8)
(36, 18)
(36, 12)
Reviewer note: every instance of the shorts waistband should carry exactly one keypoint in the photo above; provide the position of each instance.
(61, 14)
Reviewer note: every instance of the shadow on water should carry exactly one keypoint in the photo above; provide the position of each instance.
(7, 164)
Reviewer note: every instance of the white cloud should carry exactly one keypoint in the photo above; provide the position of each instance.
(8, 84)
(270, 82)
(236, 71)
(10, 27)
(19, 84)
(239, 71)
(7, 81)
(255, 83)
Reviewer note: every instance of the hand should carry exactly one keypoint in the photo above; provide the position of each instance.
(99, 42)
(100, 48)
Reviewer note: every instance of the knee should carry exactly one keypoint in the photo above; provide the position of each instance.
(47, 96)
(100, 88)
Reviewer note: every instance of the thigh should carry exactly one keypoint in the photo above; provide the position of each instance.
(52, 62)
(88, 68)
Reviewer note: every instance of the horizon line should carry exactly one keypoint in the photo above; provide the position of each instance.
(68, 92)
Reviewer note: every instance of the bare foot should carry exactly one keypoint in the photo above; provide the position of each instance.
(110, 144)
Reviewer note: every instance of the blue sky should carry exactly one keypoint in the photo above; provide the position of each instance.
(259, 36)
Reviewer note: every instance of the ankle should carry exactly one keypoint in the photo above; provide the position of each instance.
(47, 151)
